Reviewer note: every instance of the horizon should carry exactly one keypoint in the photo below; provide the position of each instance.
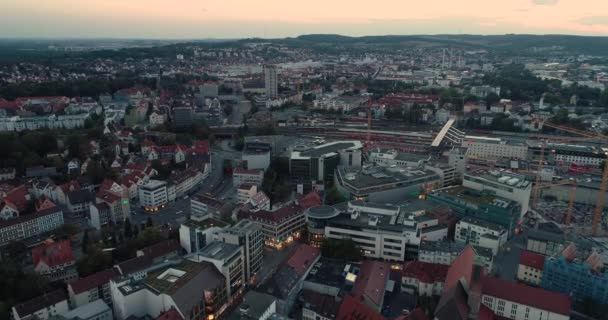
(272, 19)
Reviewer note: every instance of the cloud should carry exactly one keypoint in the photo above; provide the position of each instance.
(545, 2)
(594, 21)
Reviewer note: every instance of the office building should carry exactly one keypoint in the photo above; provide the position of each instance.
(271, 82)
(195, 234)
(384, 184)
(383, 231)
(257, 155)
(229, 260)
(154, 195)
(481, 233)
(30, 225)
(182, 117)
(280, 226)
(251, 176)
(317, 164)
(249, 236)
(503, 184)
(493, 148)
(483, 205)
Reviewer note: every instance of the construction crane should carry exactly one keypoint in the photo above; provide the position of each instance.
(568, 219)
(601, 198)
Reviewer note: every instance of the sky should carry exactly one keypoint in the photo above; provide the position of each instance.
(188, 19)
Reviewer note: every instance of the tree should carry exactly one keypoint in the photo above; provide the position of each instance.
(94, 261)
(85, 241)
(492, 98)
(344, 249)
(149, 223)
(333, 196)
(128, 229)
(15, 250)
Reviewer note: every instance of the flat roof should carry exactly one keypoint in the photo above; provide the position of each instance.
(505, 178)
(475, 197)
(327, 148)
(219, 250)
(322, 212)
(379, 176)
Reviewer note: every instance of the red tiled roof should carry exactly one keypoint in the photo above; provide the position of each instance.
(201, 146)
(70, 186)
(416, 314)
(425, 272)
(311, 199)
(278, 215)
(526, 295)
(462, 267)
(371, 281)
(532, 260)
(172, 314)
(162, 248)
(53, 253)
(353, 309)
(302, 258)
(93, 281)
(107, 196)
(18, 197)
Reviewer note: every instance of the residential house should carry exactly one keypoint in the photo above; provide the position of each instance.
(423, 278)
(44, 307)
(55, 261)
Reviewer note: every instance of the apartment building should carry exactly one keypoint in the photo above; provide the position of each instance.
(249, 236)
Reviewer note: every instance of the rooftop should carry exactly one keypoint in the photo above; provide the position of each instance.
(253, 307)
(46, 300)
(371, 281)
(353, 309)
(506, 178)
(205, 223)
(322, 304)
(322, 212)
(526, 295)
(328, 272)
(377, 178)
(220, 251)
(532, 260)
(475, 197)
(484, 224)
(325, 149)
(153, 184)
(425, 272)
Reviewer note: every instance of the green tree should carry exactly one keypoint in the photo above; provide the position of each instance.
(333, 196)
(343, 249)
(149, 223)
(128, 229)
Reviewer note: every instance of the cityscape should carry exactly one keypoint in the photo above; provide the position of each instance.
(314, 176)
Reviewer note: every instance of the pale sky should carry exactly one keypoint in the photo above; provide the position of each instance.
(281, 18)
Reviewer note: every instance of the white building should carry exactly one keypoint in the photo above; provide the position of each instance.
(383, 231)
(492, 148)
(154, 194)
(250, 238)
(229, 260)
(96, 310)
(195, 234)
(480, 233)
(251, 176)
(503, 184)
(19, 124)
(521, 302)
(49, 305)
(445, 252)
(530, 268)
(30, 225)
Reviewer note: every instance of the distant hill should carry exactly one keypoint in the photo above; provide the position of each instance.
(515, 43)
